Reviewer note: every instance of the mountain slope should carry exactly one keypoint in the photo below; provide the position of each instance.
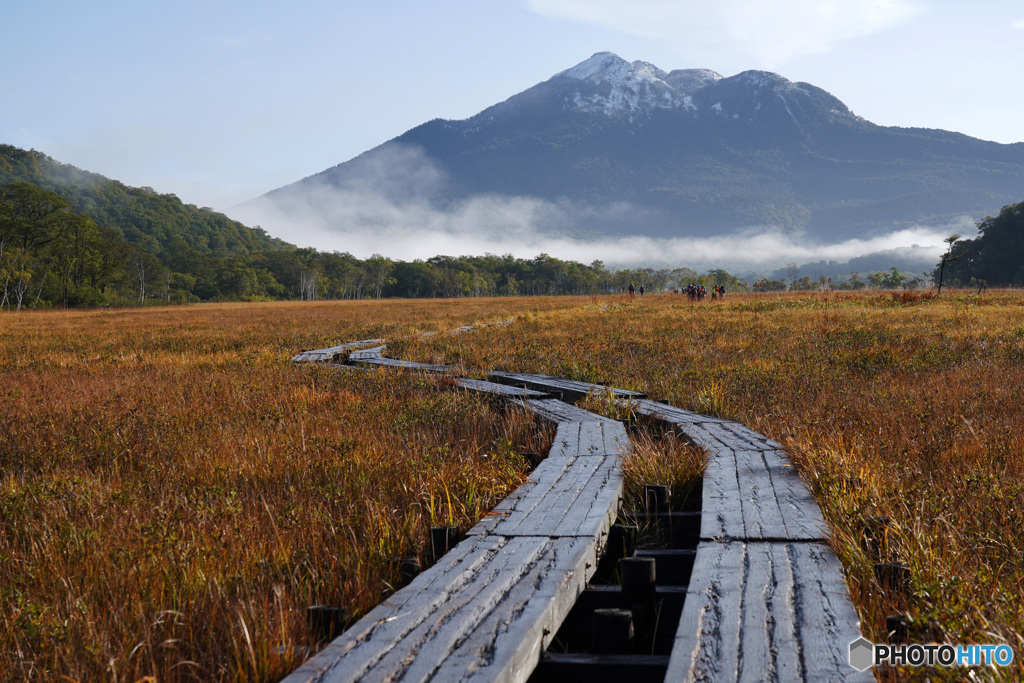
(150, 220)
(628, 147)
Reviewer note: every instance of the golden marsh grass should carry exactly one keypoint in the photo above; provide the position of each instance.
(173, 493)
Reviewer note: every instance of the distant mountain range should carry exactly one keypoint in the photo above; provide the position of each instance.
(614, 147)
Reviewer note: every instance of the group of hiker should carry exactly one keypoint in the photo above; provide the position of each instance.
(696, 292)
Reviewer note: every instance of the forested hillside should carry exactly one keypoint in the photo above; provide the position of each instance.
(151, 221)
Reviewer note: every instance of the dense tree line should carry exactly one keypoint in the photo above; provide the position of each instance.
(994, 257)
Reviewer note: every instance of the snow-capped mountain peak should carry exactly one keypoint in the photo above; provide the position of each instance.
(610, 84)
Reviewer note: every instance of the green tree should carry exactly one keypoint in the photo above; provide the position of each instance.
(894, 279)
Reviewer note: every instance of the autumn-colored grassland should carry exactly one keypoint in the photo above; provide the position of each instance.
(173, 493)
(903, 406)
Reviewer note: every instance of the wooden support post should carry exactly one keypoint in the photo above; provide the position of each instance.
(533, 459)
(621, 541)
(612, 632)
(405, 569)
(873, 537)
(637, 576)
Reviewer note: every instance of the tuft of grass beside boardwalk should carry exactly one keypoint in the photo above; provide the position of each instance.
(902, 411)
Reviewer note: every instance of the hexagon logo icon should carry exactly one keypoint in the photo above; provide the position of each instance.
(862, 654)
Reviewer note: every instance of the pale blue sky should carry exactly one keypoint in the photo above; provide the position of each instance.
(219, 102)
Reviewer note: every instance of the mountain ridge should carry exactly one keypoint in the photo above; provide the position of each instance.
(689, 151)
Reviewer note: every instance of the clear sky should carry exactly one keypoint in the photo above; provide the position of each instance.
(220, 101)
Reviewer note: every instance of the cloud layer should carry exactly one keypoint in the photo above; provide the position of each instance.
(364, 223)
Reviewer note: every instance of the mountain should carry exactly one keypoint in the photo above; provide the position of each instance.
(150, 220)
(610, 147)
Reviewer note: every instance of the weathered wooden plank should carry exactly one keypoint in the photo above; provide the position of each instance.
(520, 631)
(566, 443)
(402, 364)
(699, 434)
(447, 646)
(707, 645)
(721, 509)
(559, 411)
(575, 496)
(374, 356)
(769, 629)
(331, 353)
(592, 438)
(828, 619)
(757, 440)
(615, 438)
(483, 613)
(668, 413)
(572, 388)
(720, 432)
(528, 496)
(762, 517)
(495, 389)
(765, 612)
(367, 354)
(800, 512)
(604, 437)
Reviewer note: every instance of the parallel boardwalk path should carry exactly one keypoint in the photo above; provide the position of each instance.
(766, 599)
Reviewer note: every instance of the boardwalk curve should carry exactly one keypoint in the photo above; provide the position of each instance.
(766, 600)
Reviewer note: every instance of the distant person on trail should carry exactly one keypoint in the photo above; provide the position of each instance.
(641, 290)
(632, 290)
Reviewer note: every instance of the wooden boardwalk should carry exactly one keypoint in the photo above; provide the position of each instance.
(489, 608)
(766, 599)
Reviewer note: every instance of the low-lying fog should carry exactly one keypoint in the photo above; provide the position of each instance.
(388, 206)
